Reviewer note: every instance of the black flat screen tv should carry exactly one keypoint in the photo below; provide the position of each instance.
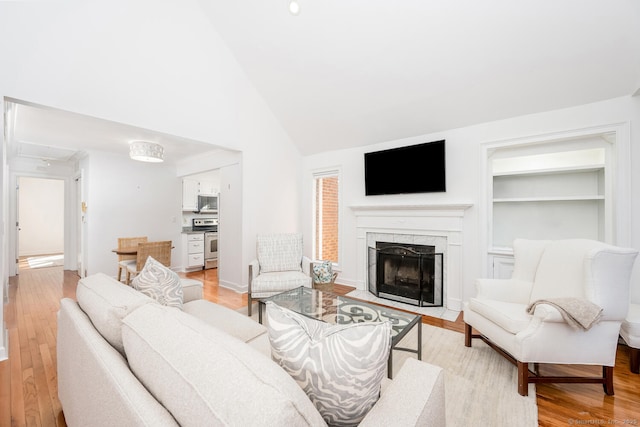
(413, 169)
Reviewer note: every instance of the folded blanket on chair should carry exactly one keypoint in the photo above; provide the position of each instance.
(577, 312)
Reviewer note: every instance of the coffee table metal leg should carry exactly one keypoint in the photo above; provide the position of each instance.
(390, 364)
(420, 340)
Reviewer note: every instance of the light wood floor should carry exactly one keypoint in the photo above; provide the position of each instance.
(28, 392)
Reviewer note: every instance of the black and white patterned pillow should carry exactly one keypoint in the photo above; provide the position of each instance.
(160, 283)
(340, 367)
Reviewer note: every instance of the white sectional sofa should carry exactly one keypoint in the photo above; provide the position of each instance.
(125, 360)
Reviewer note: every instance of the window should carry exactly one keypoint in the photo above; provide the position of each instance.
(326, 214)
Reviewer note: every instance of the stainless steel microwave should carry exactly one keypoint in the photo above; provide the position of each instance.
(208, 204)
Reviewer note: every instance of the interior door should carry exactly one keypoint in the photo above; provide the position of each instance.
(17, 241)
(81, 209)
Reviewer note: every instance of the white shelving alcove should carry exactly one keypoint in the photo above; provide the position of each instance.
(558, 187)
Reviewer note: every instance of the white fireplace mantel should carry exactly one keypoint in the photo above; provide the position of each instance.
(441, 221)
(456, 208)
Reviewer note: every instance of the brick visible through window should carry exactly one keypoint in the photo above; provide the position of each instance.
(326, 218)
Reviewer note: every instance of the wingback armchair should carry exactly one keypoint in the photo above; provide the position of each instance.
(279, 266)
(591, 274)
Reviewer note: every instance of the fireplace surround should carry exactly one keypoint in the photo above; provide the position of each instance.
(439, 225)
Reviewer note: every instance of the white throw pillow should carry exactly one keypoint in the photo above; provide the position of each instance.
(160, 283)
(340, 367)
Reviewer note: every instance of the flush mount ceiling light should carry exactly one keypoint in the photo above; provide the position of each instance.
(146, 151)
(294, 8)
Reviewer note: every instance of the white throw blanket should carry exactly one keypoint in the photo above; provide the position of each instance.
(577, 312)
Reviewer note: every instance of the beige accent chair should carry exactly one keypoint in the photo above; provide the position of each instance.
(279, 266)
(160, 251)
(630, 333)
(125, 244)
(586, 270)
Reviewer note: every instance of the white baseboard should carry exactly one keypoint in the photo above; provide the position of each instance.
(4, 349)
(233, 286)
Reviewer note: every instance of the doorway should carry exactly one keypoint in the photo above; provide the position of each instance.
(40, 225)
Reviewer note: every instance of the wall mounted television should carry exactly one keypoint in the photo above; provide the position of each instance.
(413, 169)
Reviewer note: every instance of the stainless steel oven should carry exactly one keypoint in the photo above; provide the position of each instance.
(210, 228)
(211, 250)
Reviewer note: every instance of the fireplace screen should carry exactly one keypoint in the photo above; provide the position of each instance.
(406, 273)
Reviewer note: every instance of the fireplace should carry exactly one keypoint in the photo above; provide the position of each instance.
(408, 273)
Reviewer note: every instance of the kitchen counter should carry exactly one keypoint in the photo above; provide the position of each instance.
(190, 231)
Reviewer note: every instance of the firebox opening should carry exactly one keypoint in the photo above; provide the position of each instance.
(406, 273)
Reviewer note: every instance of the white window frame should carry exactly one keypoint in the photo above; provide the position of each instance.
(326, 173)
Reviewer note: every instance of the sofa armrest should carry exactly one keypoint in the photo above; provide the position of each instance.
(254, 269)
(506, 290)
(191, 289)
(414, 397)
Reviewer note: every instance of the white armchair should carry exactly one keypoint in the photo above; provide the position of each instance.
(279, 267)
(586, 271)
(630, 333)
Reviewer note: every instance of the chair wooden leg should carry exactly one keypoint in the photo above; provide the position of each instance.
(128, 277)
(607, 375)
(119, 273)
(467, 335)
(634, 360)
(523, 378)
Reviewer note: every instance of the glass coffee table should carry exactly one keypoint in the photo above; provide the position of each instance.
(337, 309)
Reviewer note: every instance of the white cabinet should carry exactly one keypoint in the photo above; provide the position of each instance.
(189, 194)
(208, 188)
(501, 266)
(192, 188)
(193, 256)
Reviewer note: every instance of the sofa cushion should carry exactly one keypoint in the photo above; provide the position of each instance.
(279, 252)
(510, 316)
(225, 319)
(340, 367)
(107, 301)
(204, 376)
(267, 284)
(160, 283)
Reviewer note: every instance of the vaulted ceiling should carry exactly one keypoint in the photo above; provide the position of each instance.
(351, 73)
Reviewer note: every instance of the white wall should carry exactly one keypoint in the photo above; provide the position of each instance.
(157, 65)
(41, 211)
(463, 179)
(127, 198)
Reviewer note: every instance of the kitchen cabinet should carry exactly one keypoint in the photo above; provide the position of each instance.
(189, 194)
(207, 188)
(192, 188)
(193, 251)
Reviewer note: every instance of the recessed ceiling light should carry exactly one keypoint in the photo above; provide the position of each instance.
(294, 7)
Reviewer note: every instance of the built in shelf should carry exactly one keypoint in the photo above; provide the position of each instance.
(551, 171)
(546, 199)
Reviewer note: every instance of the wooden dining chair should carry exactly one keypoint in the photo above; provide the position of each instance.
(124, 244)
(160, 251)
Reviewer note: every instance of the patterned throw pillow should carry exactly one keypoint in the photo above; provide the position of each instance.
(322, 272)
(340, 367)
(160, 283)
